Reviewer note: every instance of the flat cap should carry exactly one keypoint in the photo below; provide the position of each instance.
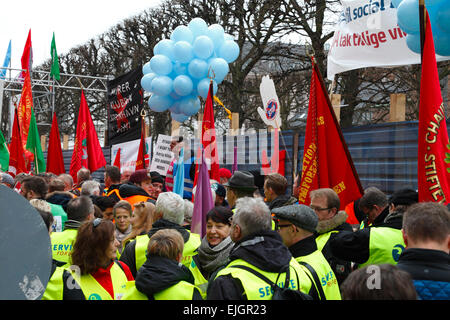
(302, 216)
(6, 178)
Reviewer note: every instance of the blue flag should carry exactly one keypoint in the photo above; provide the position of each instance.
(178, 183)
(6, 61)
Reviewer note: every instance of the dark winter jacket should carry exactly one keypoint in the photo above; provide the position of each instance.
(60, 197)
(129, 253)
(430, 271)
(265, 252)
(355, 246)
(160, 273)
(335, 226)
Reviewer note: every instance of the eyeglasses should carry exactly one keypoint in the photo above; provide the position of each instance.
(318, 208)
(96, 222)
(230, 219)
(279, 226)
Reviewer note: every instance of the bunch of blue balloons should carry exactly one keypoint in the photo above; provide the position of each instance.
(182, 67)
(408, 21)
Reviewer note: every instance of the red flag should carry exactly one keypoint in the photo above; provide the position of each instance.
(326, 160)
(27, 56)
(433, 177)
(24, 116)
(140, 161)
(117, 159)
(16, 151)
(209, 136)
(55, 160)
(87, 152)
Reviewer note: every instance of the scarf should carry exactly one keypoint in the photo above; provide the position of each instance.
(211, 258)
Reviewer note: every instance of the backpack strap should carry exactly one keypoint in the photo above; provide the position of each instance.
(316, 279)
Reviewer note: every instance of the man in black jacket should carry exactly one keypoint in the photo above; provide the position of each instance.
(275, 188)
(426, 232)
(382, 242)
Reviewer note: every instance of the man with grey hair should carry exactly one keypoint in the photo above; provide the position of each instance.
(374, 203)
(257, 248)
(68, 181)
(169, 214)
(90, 188)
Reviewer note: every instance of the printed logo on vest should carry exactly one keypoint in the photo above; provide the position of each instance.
(94, 296)
(397, 251)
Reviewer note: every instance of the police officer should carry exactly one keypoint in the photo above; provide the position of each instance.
(169, 214)
(378, 244)
(259, 248)
(296, 225)
(79, 209)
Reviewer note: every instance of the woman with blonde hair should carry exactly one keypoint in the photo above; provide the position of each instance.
(141, 221)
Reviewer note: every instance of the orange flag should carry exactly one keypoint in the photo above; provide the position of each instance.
(24, 115)
(433, 176)
(326, 160)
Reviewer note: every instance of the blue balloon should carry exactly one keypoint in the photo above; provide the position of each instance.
(203, 87)
(413, 42)
(189, 106)
(220, 68)
(227, 36)
(179, 117)
(198, 27)
(146, 68)
(179, 69)
(162, 85)
(183, 51)
(198, 68)
(216, 33)
(161, 65)
(159, 103)
(229, 51)
(182, 33)
(146, 81)
(182, 85)
(165, 47)
(408, 16)
(203, 47)
(443, 18)
(441, 42)
(395, 3)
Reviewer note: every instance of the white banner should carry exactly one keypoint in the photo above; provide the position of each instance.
(162, 156)
(129, 153)
(367, 35)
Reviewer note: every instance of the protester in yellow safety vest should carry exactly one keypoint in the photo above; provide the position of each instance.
(138, 189)
(169, 214)
(326, 203)
(215, 247)
(259, 248)
(162, 276)
(79, 210)
(94, 274)
(374, 205)
(378, 244)
(141, 221)
(122, 212)
(296, 225)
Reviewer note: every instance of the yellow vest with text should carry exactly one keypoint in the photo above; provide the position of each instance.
(256, 288)
(181, 291)
(92, 290)
(189, 249)
(385, 246)
(325, 274)
(62, 244)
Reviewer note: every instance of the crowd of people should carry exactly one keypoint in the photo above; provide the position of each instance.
(129, 238)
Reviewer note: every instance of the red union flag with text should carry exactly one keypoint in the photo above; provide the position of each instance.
(87, 152)
(326, 160)
(433, 177)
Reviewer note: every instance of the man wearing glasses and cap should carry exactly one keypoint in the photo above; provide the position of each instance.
(296, 225)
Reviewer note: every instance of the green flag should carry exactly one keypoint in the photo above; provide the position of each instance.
(54, 72)
(34, 145)
(4, 154)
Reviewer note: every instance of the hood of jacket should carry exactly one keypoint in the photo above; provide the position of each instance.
(337, 222)
(282, 201)
(128, 190)
(59, 197)
(264, 250)
(166, 224)
(159, 273)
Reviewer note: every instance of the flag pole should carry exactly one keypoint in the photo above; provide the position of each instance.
(422, 23)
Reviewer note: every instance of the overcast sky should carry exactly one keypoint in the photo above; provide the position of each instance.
(74, 23)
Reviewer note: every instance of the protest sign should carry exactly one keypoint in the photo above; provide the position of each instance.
(162, 157)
